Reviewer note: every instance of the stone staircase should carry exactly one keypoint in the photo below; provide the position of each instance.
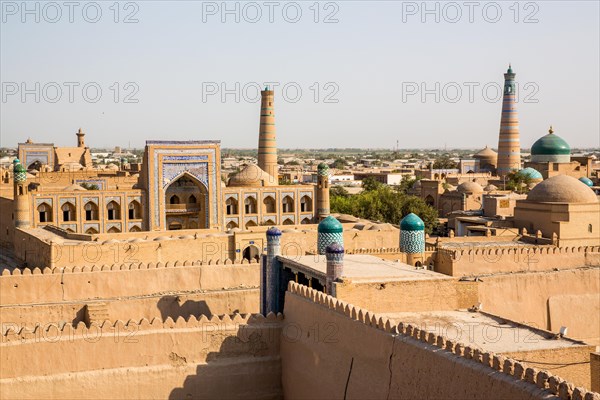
(95, 313)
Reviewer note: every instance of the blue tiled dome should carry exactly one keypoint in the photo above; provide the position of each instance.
(587, 181)
(412, 222)
(531, 173)
(330, 225)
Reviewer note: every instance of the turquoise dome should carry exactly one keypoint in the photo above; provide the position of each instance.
(330, 225)
(412, 222)
(586, 181)
(550, 145)
(323, 169)
(531, 173)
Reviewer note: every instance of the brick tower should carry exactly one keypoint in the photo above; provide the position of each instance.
(509, 147)
(267, 146)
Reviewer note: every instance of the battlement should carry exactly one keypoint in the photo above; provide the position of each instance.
(464, 259)
(12, 333)
(121, 267)
(527, 378)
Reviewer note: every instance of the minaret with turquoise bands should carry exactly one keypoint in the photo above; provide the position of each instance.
(267, 146)
(509, 145)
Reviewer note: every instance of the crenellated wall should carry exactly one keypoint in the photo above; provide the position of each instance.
(58, 250)
(36, 296)
(410, 295)
(491, 259)
(145, 359)
(344, 351)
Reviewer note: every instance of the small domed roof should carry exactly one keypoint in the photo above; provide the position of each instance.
(417, 184)
(490, 188)
(469, 187)
(73, 187)
(251, 175)
(322, 169)
(587, 181)
(562, 189)
(412, 222)
(273, 231)
(330, 225)
(487, 152)
(531, 173)
(550, 144)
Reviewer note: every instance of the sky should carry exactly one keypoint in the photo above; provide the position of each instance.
(375, 74)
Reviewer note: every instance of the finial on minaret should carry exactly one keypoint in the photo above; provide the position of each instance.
(550, 130)
(510, 71)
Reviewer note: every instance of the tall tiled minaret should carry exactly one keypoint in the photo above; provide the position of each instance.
(509, 146)
(267, 146)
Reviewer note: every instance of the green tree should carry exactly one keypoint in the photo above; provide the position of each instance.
(518, 182)
(339, 163)
(444, 162)
(382, 203)
(370, 183)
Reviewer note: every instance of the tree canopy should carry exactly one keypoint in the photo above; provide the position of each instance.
(379, 202)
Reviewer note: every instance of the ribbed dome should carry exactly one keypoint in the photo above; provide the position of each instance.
(252, 175)
(487, 152)
(550, 145)
(586, 181)
(469, 187)
(330, 225)
(412, 222)
(562, 189)
(531, 173)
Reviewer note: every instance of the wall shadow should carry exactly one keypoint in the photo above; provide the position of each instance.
(172, 306)
(244, 367)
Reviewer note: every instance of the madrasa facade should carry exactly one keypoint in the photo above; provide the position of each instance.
(177, 186)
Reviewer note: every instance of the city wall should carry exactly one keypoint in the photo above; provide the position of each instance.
(498, 259)
(207, 358)
(547, 300)
(143, 290)
(342, 351)
(410, 296)
(62, 249)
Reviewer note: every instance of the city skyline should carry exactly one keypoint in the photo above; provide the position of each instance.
(369, 76)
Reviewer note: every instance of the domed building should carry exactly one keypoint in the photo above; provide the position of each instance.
(487, 160)
(532, 174)
(551, 148)
(551, 156)
(251, 176)
(465, 197)
(564, 206)
(469, 188)
(587, 181)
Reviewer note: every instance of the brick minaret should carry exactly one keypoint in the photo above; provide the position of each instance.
(21, 196)
(267, 146)
(509, 147)
(80, 138)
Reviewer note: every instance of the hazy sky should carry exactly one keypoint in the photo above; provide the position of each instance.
(354, 78)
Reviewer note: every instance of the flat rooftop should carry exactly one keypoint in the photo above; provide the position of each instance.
(362, 268)
(484, 331)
